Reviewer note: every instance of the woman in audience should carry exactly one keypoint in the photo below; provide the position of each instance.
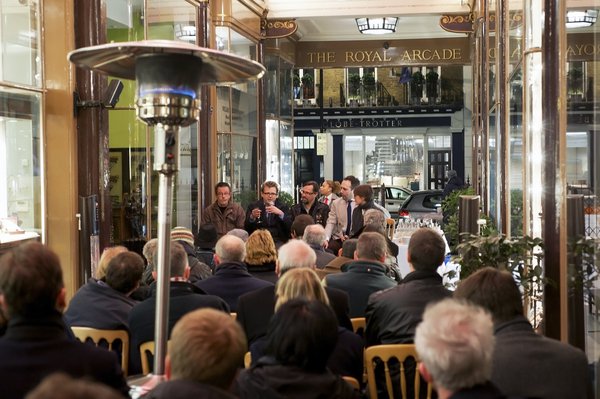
(261, 255)
(300, 340)
(303, 283)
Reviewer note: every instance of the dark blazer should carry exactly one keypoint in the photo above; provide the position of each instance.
(255, 309)
(323, 257)
(230, 281)
(184, 298)
(32, 349)
(360, 279)
(264, 271)
(278, 227)
(393, 315)
(528, 364)
(99, 306)
(319, 212)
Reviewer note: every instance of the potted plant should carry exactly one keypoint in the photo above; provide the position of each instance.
(296, 85)
(416, 86)
(354, 81)
(575, 82)
(432, 85)
(369, 82)
(307, 85)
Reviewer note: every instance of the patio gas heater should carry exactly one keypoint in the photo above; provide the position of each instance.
(169, 76)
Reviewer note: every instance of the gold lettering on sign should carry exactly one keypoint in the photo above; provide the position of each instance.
(430, 55)
(321, 57)
(583, 49)
(367, 56)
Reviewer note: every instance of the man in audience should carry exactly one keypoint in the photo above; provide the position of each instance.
(198, 270)
(62, 386)
(346, 255)
(149, 252)
(255, 309)
(314, 236)
(524, 363)
(239, 233)
(393, 315)
(184, 297)
(107, 255)
(269, 213)
(364, 276)
(205, 242)
(309, 205)
(36, 343)
(105, 305)
(455, 343)
(231, 277)
(339, 221)
(299, 226)
(205, 352)
(224, 214)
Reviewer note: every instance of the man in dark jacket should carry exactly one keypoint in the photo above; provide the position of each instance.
(255, 309)
(393, 315)
(364, 276)
(309, 205)
(199, 270)
(269, 213)
(36, 342)
(454, 183)
(231, 279)
(105, 305)
(205, 352)
(183, 298)
(524, 363)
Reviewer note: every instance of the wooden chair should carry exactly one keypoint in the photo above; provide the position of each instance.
(384, 353)
(146, 351)
(390, 228)
(358, 325)
(247, 360)
(110, 337)
(233, 315)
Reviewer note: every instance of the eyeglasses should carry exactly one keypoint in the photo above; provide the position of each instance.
(306, 193)
(272, 193)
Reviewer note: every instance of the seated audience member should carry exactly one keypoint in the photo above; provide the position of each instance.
(198, 269)
(455, 343)
(303, 283)
(328, 191)
(364, 276)
(231, 277)
(301, 337)
(393, 315)
(314, 235)
(309, 205)
(299, 226)
(183, 296)
(255, 309)
(62, 386)
(363, 196)
(239, 233)
(224, 214)
(149, 252)
(105, 305)
(375, 221)
(261, 255)
(346, 255)
(206, 239)
(525, 363)
(107, 255)
(269, 213)
(205, 351)
(36, 342)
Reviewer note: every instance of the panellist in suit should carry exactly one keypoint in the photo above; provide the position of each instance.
(339, 220)
(36, 342)
(255, 309)
(269, 213)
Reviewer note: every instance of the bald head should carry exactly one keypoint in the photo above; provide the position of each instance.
(230, 248)
(295, 253)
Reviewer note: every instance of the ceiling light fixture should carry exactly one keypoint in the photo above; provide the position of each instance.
(377, 26)
(581, 18)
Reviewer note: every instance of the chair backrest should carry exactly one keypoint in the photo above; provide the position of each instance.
(147, 353)
(358, 325)
(111, 337)
(352, 381)
(247, 360)
(384, 353)
(390, 226)
(233, 315)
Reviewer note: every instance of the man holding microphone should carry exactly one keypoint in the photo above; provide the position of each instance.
(269, 213)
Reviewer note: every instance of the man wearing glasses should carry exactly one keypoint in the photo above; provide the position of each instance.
(269, 213)
(309, 205)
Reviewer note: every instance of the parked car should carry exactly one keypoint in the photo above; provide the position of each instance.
(426, 204)
(394, 198)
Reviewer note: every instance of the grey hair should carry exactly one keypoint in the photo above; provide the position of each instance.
(296, 253)
(314, 234)
(230, 248)
(371, 246)
(374, 216)
(455, 341)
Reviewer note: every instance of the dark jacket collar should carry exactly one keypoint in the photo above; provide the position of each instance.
(365, 266)
(433, 277)
(231, 268)
(519, 323)
(177, 288)
(44, 327)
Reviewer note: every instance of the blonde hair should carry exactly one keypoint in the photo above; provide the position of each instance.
(300, 283)
(106, 257)
(260, 248)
